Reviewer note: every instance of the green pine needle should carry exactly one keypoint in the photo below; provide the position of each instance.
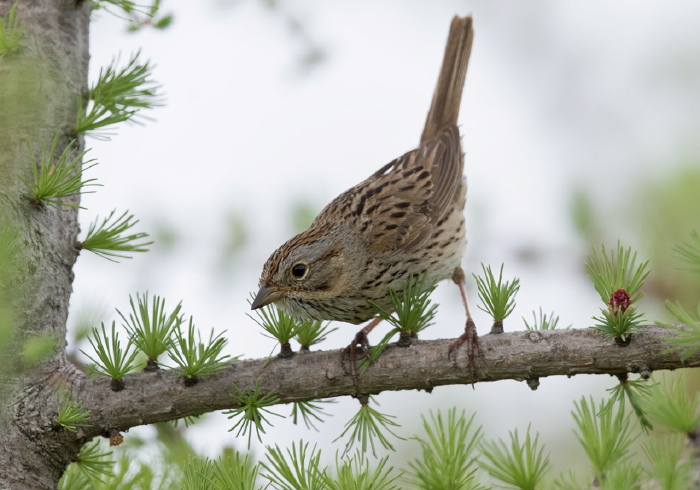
(72, 415)
(568, 481)
(74, 479)
(690, 253)
(133, 474)
(618, 280)
(605, 433)
(275, 322)
(668, 464)
(112, 361)
(127, 6)
(375, 351)
(194, 358)
(412, 313)
(355, 473)
(252, 410)
(687, 339)
(299, 468)
(164, 22)
(368, 426)
(188, 420)
(11, 32)
(108, 239)
(498, 297)
(312, 332)
(55, 178)
(540, 321)
(150, 329)
(127, 473)
(522, 465)
(234, 471)
(198, 474)
(137, 15)
(412, 308)
(634, 391)
(617, 270)
(626, 474)
(309, 411)
(93, 463)
(615, 325)
(118, 96)
(449, 453)
(670, 404)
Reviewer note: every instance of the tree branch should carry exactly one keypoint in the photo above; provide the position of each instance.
(528, 355)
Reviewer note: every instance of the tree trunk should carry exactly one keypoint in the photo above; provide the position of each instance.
(38, 88)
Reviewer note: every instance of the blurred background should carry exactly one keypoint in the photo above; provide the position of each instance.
(580, 124)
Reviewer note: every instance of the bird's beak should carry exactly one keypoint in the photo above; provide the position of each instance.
(266, 295)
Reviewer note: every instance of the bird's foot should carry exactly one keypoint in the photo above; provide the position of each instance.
(471, 338)
(359, 345)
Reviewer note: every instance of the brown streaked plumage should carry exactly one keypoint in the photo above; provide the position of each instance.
(405, 219)
(376, 234)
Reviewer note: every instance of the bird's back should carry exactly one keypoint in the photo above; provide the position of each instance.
(408, 216)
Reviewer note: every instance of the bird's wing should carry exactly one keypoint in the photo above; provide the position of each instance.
(398, 206)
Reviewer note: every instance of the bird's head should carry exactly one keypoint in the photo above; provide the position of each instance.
(311, 267)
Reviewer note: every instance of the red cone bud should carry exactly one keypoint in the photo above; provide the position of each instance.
(619, 301)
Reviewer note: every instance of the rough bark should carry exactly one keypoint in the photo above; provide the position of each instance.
(38, 90)
(524, 356)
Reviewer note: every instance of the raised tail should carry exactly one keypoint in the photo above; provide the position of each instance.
(447, 98)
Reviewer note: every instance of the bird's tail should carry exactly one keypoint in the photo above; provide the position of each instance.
(444, 109)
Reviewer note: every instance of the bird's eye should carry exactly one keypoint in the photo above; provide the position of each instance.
(299, 270)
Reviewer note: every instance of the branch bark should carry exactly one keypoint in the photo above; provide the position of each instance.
(524, 356)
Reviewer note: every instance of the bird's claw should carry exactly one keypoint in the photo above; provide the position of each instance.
(471, 338)
(359, 343)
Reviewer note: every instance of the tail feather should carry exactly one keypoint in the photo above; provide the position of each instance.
(447, 98)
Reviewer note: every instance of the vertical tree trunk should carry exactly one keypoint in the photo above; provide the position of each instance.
(39, 85)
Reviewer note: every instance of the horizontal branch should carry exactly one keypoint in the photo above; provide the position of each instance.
(156, 397)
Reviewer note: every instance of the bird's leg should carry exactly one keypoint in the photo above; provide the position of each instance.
(469, 336)
(361, 343)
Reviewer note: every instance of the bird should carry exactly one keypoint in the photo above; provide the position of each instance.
(404, 220)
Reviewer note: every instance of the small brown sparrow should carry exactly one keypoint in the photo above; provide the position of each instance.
(405, 219)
